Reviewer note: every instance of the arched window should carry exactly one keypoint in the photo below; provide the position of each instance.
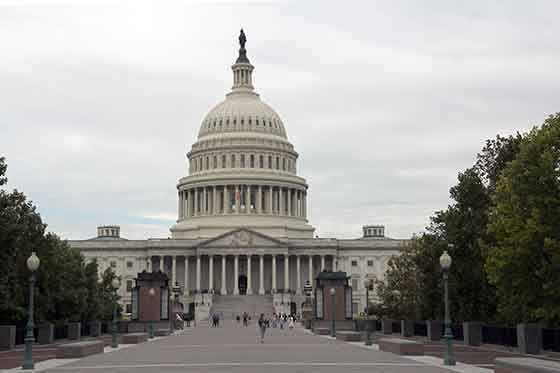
(232, 164)
(252, 161)
(207, 163)
(215, 165)
(270, 161)
(277, 163)
(283, 164)
(242, 160)
(223, 161)
(261, 165)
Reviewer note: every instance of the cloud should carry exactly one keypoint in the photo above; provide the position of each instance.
(385, 102)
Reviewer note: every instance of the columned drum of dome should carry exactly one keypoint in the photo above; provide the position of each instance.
(242, 170)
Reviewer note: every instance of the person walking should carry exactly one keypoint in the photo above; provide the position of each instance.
(291, 322)
(245, 319)
(262, 326)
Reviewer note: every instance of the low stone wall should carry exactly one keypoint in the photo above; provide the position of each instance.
(525, 365)
(7, 337)
(401, 346)
(134, 338)
(79, 349)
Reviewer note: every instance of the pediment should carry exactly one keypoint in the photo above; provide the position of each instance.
(242, 238)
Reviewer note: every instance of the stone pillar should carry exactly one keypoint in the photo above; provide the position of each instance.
(236, 275)
(249, 287)
(149, 264)
(226, 200)
(270, 205)
(198, 273)
(286, 273)
(304, 205)
(173, 270)
(529, 338)
(322, 263)
(281, 201)
(298, 270)
(195, 207)
(259, 200)
(189, 203)
(273, 273)
(237, 200)
(261, 275)
(224, 288)
(472, 333)
(289, 200)
(311, 270)
(214, 200)
(211, 274)
(180, 205)
(186, 286)
(204, 201)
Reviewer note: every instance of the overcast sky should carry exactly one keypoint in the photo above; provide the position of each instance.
(384, 101)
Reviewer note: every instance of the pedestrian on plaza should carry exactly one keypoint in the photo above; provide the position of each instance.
(262, 326)
(245, 319)
(291, 322)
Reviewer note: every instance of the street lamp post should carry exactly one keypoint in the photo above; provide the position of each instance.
(448, 358)
(32, 264)
(367, 285)
(114, 341)
(332, 292)
(152, 293)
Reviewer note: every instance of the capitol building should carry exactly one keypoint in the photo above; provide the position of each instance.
(242, 237)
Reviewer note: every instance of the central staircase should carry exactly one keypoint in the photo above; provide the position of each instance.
(229, 306)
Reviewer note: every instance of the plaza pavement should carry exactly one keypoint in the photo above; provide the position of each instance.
(235, 349)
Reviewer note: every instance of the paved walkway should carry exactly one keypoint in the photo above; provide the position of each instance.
(233, 348)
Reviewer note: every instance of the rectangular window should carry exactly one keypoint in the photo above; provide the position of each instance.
(370, 263)
(113, 264)
(129, 264)
(354, 263)
(128, 285)
(128, 308)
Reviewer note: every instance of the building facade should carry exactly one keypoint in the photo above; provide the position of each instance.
(242, 227)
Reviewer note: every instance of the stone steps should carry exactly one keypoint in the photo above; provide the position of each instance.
(229, 306)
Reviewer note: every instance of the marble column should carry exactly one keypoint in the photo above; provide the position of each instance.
(237, 199)
(261, 275)
(298, 270)
(173, 270)
(149, 264)
(273, 273)
(186, 286)
(214, 200)
(226, 200)
(311, 270)
(198, 273)
(236, 275)
(211, 274)
(249, 287)
(286, 273)
(259, 201)
(224, 288)
(248, 199)
(204, 201)
(322, 263)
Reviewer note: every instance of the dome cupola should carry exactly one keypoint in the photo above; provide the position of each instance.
(242, 169)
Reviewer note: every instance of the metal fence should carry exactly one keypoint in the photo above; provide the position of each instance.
(551, 339)
(420, 328)
(499, 335)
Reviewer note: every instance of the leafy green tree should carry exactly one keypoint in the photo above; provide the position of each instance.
(524, 262)
(67, 288)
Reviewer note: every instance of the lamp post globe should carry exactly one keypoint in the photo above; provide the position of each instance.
(114, 342)
(445, 263)
(33, 263)
(152, 293)
(332, 292)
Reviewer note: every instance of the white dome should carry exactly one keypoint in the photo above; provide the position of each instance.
(242, 112)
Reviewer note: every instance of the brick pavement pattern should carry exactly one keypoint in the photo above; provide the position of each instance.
(233, 348)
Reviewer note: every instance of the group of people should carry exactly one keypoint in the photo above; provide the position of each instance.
(276, 321)
(245, 317)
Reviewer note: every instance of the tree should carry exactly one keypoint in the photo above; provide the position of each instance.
(67, 287)
(524, 261)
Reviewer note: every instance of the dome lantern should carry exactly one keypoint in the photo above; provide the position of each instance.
(242, 69)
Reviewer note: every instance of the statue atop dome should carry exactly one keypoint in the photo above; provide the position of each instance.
(242, 51)
(242, 39)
